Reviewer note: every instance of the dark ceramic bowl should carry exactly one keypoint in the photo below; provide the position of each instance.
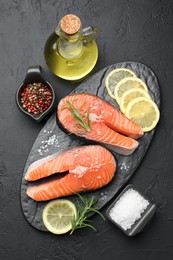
(33, 75)
(142, 222)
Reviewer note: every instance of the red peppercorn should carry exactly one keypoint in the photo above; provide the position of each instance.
(36, 98)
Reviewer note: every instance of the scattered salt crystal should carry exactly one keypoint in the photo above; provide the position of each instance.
(128, 209)
(40, 152)
(103, 196)
(48, 132)
(94, 117)
(52, 140)
(79, 171)
(124, 167)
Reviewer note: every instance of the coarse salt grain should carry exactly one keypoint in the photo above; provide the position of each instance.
(52, 140)
(128, 209)
(79, 171)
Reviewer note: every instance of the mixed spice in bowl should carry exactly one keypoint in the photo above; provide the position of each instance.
(35, 96)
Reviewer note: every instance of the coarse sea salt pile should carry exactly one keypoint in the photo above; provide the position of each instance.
(128, 209)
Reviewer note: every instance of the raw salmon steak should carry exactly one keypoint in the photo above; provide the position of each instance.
(89, 167)
(93, 118)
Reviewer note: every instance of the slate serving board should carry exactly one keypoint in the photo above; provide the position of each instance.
(52, 139)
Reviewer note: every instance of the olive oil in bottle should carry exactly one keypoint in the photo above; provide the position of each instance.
(71, 52)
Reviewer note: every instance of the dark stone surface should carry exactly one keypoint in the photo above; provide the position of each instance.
(138, 31)
(52, 140)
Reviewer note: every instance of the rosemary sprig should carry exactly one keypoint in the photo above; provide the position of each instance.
(80, 118)
(81, 220)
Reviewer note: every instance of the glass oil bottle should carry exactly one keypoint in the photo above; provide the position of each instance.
(71, 52)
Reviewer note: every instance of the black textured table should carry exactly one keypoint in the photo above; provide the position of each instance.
(139, 31)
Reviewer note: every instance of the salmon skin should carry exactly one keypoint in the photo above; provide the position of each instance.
(89, 167)
(90, 117)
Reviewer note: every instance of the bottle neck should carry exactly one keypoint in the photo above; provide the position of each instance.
(69, 46)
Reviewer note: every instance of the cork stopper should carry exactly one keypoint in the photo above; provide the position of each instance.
(70, 24)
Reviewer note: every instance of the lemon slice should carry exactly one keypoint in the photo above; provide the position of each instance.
(114, 77)
(144, 112)
(58, 215)
(126, 84)
(130, 95)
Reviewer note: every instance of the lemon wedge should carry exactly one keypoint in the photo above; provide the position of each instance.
(58, 216)
(131, 94)
(144, 112)
(126, 84)
(114, 77)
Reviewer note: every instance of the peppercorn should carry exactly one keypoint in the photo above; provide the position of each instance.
(36, 98)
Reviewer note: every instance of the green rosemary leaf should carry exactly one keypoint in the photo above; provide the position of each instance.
(85, 207)
(88, 119)
(96, 211)
(80, 118)
(75, 112)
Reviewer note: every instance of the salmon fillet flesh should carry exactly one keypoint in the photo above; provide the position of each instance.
(90, 117)
(89, 167)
